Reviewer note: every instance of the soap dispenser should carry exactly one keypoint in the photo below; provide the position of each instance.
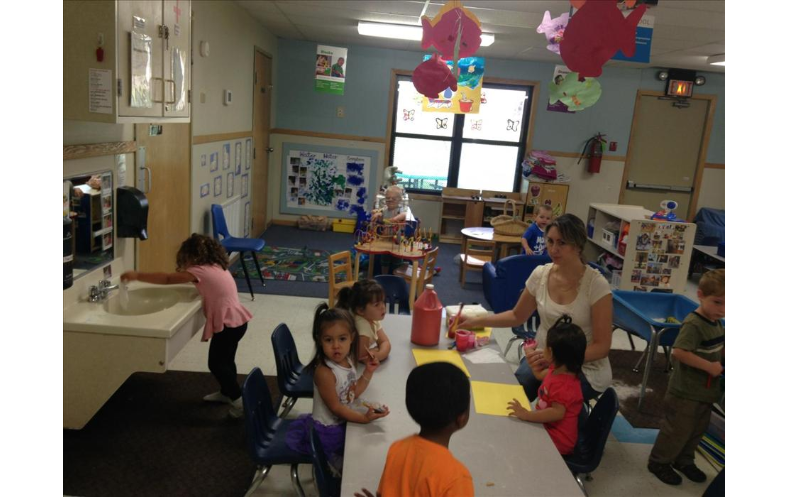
(132, 210)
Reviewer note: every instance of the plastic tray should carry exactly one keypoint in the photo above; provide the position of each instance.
(637, 312)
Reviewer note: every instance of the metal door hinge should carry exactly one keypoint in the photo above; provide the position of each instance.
(161, 31)
(189, 96)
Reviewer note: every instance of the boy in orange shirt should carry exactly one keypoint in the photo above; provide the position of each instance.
(437, 398)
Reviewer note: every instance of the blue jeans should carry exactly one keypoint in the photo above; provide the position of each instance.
(531, 384)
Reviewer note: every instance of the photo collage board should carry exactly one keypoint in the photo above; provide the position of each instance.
(661, 254)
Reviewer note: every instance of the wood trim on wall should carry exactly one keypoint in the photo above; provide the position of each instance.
(720, 166)
(324, 135)
(566, 154)
(80, 151)
(205, 139)
(284, 222)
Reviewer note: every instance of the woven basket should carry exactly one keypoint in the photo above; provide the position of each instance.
(508, 225)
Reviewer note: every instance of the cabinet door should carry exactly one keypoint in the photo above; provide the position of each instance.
(140, 71)
(177, 58)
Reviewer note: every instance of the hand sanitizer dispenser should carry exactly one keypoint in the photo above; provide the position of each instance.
(132, 210)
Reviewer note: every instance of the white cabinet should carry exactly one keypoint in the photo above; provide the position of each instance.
(142, 73)
(655, 253)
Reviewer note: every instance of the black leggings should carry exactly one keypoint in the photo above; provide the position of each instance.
(222, 359)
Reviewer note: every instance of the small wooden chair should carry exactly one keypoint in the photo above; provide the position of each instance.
(477, 254)
(425, 271)
(345, 266)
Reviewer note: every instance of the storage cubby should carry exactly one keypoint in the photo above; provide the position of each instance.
(459, 210)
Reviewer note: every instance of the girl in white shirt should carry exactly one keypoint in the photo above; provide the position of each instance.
(366, 299)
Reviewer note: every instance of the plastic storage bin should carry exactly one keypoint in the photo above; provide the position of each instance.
(642, 312)
(344, 225)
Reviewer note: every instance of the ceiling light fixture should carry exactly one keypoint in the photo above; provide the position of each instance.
(717, 60)
(405, 32)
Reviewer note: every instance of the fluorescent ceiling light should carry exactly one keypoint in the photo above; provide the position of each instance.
(405, 32)
(717, 60)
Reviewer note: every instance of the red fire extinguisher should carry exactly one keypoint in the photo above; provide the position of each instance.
(593, 150)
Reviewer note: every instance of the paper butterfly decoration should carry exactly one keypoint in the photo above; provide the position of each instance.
(408, 115)
(477, 124)
(513, 125)
(441, 123)
(575, 94)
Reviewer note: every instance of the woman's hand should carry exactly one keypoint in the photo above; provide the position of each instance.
(517, 410)
(129, 276)
(536, 360)
(467, 324)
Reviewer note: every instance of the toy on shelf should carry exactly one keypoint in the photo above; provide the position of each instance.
(667, 212)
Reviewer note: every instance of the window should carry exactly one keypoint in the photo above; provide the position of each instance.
(473, 151)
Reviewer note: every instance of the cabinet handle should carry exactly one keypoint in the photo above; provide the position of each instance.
(162, 91)
(174, 88)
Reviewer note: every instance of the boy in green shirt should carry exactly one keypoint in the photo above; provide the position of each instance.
(694, 386)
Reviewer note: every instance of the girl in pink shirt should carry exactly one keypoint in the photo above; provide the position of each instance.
(560, 399)
(203, 261)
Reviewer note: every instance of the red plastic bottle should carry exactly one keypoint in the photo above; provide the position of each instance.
(426, 320)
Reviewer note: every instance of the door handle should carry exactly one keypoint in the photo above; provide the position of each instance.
(270, 150)
(682, 189)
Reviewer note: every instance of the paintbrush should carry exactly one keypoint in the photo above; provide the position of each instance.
(455, 321)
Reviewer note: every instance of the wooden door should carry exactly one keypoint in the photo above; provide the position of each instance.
(262, 90)
(666, 153)
(168, 222)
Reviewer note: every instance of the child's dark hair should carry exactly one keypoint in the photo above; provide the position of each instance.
(436, 394)
(323, 316)
(568, 343)
(200, 250)
(359, 295)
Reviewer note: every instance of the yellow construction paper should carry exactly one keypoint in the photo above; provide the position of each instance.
(485, 332)
(493, 399)
(424, 356)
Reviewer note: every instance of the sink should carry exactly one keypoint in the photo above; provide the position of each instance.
(142, 301)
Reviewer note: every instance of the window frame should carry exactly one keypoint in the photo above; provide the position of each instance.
(457, 140)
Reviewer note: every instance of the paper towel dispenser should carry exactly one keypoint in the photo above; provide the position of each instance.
(132, 210)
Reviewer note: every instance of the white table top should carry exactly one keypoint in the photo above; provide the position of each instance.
(710, 251)
(518, 457)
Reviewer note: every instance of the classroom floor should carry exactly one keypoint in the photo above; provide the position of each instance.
(622, 471)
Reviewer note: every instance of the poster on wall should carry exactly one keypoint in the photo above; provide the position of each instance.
(559, 74)
(330, 70)
(329, 181)
(467, 98)
(644, 38)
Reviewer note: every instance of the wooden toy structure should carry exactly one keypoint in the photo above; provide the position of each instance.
(391, 237)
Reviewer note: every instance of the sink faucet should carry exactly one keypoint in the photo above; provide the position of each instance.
(100, 292)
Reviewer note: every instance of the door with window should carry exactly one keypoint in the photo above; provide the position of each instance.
(472, 151)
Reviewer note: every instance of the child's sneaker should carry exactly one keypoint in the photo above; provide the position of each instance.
(691, 472)
(217, 397)
(237, 409)
(665, 473)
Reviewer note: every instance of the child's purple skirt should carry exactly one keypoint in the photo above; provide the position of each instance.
(331, 436)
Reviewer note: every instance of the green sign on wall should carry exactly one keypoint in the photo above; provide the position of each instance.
(330, 70)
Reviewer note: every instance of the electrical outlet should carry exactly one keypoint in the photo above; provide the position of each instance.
(340, 112)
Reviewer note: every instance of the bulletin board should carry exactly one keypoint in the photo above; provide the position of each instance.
(661, 252)
(324, 180)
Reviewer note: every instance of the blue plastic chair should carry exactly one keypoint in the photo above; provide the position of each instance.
(396, 290)
(266, 433)
(240, 245)
(638, 313)
(592, 437)
(327, 485)
(293, 381)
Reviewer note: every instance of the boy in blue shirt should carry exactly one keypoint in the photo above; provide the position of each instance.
(533, 241)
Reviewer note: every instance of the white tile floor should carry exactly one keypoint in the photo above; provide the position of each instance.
(622, 471)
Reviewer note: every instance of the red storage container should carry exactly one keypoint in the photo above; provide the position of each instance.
(426, 320)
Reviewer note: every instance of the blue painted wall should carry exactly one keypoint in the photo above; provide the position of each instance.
(366, 98)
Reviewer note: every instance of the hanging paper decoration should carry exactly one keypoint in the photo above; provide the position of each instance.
(577, 4)
(467, 97)
(595, 33)
(577, 95)
(553, 29)
(455, 32)
(433, 76)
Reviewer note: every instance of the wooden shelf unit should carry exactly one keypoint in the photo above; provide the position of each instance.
(459, 210)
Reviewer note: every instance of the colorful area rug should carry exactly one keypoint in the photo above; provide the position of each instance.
(627, 383)
(287, 264)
